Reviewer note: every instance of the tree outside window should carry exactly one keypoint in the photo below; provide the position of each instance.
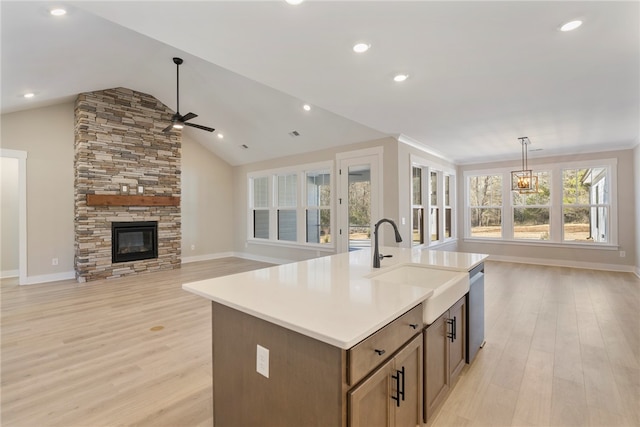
(485, 206)
(531, 211)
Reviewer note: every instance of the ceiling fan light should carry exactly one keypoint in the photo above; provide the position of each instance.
(178, 125)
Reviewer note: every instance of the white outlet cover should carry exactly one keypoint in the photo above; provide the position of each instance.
(262, 361)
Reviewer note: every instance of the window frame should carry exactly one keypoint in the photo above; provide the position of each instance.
(300, 208)
(556, 238)
(427, 168)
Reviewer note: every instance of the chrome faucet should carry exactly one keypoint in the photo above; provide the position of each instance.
(376, 255)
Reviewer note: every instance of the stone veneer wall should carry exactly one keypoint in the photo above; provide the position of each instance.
(119, 140)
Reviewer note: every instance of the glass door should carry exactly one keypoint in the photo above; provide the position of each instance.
(357, 202)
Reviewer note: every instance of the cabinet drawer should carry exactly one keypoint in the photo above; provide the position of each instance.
(375, 349)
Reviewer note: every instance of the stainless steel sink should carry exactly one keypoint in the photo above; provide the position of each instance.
(448, 286)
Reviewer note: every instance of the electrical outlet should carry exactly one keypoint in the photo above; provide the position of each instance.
(262, 361)
(404, 220)
(54, 261)
(623, 254)
(193, 247)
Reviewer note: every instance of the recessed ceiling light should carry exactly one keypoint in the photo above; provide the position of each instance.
(306, 107)
(294, 2)
(58, 12)
(361, 47)
(400, 77)
(29, 95)
(572, 25)
(220, 136)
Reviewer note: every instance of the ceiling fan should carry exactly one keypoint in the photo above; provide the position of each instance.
(179, 121)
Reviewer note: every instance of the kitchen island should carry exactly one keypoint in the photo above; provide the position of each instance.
(321, 342)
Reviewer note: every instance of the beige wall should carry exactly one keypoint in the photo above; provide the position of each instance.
(277, 252)
(207, 200)
(568, 255)
(9, 217)
(46, 134)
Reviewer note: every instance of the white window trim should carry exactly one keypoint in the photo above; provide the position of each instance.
(555, 205)
(441, 170)
(300, 208)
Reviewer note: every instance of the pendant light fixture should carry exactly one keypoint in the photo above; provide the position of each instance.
(523, 181)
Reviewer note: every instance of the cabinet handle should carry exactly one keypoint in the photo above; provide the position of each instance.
(380, 352)
(451, 335)
(402, 392)
(413, 325)
(455, 328)
(399, 390)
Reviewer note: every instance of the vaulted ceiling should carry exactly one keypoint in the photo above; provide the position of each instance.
(481, 74)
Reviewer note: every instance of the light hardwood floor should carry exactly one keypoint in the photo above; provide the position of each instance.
(563, 348)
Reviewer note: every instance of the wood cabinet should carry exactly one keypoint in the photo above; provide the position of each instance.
(444, 355)
(312, 383)
(392, 395)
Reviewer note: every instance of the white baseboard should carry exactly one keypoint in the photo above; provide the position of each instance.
(243, 255)
(207, 257)
(55, 277)
(565, 263)
(260, 258)
(9, 273)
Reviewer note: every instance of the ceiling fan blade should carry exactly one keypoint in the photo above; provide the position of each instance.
(193, 125)
(188, 116)
(168, 128)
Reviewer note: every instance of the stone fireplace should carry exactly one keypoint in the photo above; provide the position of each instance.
(127, 173)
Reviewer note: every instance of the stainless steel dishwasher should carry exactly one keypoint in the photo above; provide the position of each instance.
(475, 312)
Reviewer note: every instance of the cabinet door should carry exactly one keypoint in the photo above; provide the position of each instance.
(436, 364)
(457, 345)
(408, 364)
(369, 402)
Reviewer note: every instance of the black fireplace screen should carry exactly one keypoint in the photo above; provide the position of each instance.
(132, 241)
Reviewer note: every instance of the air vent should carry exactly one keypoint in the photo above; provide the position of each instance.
(294, 133)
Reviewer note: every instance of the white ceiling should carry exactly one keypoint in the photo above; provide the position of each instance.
(482, 74)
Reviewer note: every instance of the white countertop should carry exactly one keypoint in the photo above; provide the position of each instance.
(330, 298)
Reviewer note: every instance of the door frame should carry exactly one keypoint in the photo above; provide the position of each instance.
(22, 210)
(373, 156)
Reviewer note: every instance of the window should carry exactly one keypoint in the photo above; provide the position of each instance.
(432, 204)
(260, 207)
(485, 206)
(434, 209)
(318, 211)
(287, 197)
(448, 209)
(291, 205)
(585, 205)
(531, 212)
(575, 204)
(417, 209)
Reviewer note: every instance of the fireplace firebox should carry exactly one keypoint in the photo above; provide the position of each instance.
(133, 241)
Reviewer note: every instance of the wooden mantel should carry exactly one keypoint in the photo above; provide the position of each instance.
(131, 200)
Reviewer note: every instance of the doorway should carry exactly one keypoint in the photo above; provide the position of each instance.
(359, 197)
(14, 213)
